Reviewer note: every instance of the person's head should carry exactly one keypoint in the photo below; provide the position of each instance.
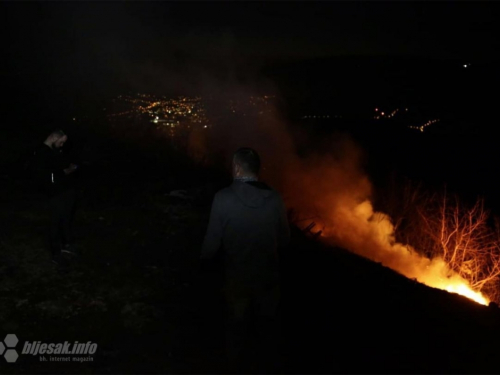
(246, 163)
(56, 139)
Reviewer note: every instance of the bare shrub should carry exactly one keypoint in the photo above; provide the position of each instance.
(440, 225)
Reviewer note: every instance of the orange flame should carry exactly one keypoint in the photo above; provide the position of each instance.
(374, 239)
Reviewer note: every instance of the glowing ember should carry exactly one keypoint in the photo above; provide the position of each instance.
(438, 275)
(435, 276)
(464, 290)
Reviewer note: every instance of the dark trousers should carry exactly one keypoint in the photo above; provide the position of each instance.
(252, 328)
(62, 208)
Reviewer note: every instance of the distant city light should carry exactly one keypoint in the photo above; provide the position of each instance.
(175, 115)
(422, 127)
(386, 115)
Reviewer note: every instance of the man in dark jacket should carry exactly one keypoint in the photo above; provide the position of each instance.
(55, 176)
(248, 222)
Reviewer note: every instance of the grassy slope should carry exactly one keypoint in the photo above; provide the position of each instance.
(136, 293)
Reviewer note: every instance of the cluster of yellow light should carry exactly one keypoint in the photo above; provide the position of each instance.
(173, 117)
(169, 112)
(165, 122)
(180, 115)
(163, 108)
(187, 107)
(422, 127)
(381, 114)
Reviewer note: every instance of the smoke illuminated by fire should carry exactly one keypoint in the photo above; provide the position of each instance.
(335, 192)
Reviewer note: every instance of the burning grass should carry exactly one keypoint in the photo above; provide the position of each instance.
(462, 235)
(374, 239)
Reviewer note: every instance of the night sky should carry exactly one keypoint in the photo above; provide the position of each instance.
(72, 51)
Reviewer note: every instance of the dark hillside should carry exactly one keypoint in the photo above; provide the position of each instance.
(138, 282)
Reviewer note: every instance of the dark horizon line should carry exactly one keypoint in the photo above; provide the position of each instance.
(382, 56)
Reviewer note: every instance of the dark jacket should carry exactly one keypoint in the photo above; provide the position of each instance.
(248, 221)
(48, 171)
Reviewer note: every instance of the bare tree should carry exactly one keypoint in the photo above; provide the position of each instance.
(462, 237)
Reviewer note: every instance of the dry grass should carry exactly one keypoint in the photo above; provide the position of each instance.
(443, 224)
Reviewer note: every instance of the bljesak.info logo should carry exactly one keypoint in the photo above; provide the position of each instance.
(47, 352)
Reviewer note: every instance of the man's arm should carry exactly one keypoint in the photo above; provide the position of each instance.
(213, 237)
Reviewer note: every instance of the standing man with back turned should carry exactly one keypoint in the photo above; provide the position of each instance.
(55, 176)
(248, 222)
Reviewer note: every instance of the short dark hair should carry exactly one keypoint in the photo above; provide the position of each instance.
(248, 159)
